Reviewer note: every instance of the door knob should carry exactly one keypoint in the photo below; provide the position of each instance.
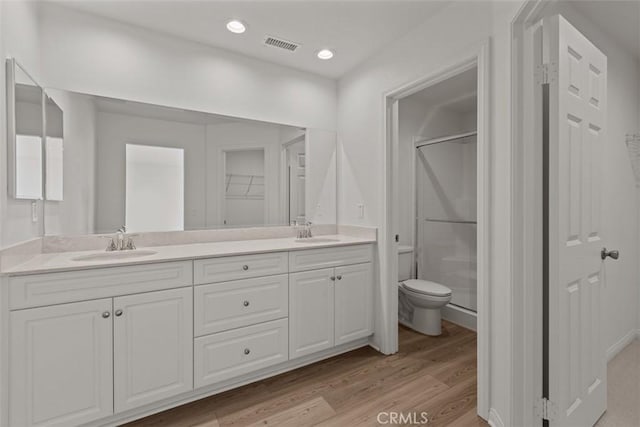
(604, 253)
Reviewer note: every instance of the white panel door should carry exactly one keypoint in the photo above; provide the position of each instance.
(311, 296)
(61, 364)
(577, 112)
(353, 302)
(153, 347)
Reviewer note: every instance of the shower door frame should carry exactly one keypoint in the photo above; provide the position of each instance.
(419, 143)
(480, 58)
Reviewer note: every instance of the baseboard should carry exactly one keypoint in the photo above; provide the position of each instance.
(494, 418)
(460, 316)
(622, 343)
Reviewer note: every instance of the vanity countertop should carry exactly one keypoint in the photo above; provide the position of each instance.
(68, 261)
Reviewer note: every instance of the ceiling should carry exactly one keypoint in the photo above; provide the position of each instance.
(353, 29)
(618, 18)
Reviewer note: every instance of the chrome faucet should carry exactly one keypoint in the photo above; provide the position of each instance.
(122, 241)
(304, 232)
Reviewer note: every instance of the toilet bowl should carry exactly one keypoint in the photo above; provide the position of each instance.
(427, 299)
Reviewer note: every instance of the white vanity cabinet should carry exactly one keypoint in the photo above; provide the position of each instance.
(311, 308)
(329, 306)
(101, 346)
(353, 296)
(61, 364)
(152, 341)
(76, 362)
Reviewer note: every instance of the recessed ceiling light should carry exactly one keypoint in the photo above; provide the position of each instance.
(236, 26)
(325, 54)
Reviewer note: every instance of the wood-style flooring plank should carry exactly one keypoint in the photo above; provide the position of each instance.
(308, 413)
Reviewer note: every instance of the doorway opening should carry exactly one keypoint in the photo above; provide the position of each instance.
(244, 187)
(438, 192)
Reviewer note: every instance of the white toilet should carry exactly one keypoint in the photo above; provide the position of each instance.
(424, 297)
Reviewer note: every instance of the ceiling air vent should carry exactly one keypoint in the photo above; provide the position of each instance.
(280, 43)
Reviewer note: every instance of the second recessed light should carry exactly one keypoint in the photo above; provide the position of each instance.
(325, 54)
(236, 26)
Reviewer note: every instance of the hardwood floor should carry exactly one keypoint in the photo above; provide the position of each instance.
(436, 375)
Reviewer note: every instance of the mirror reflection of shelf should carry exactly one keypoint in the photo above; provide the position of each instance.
(238, 186)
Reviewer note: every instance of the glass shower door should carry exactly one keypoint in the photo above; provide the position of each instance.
(446, 217)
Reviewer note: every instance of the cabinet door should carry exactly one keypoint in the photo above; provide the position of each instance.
(310, 312)
(153, 347)
(353, 302)
(61, 364)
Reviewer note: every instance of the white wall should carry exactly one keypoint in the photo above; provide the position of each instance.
(93, 55)
(451, 35)
(19, 38)
(76, 213)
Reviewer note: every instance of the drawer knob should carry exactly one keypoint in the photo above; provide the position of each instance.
(339, 277)
(246, 303)
(106, 314)
(118, 313)
(245, 267)
(247, 351)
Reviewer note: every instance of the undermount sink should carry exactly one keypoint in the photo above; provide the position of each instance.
(316, 240)
(115, 255)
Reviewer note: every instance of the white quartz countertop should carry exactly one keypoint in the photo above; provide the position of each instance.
(67, 261)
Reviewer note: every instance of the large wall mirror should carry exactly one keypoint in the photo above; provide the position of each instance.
(158, 168)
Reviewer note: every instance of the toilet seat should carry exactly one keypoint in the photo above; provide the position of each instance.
(426, 287)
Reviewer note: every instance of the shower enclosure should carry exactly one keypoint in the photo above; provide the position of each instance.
(446, 227)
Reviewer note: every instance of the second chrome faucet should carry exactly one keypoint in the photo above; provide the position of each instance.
(122, 241)
(303, 230)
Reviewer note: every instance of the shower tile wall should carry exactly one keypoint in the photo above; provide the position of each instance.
(446, 204)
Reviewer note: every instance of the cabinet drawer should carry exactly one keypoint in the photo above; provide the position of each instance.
(313, 259)
(239, 267)
(55, 288)
(230, 354)
(229, 305)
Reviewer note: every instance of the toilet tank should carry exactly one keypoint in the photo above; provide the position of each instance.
(405, 263)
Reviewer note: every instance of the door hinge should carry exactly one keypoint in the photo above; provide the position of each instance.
(546, 73)
(546, 409)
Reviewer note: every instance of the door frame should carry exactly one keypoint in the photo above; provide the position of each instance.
(389, 263)
(527, 219)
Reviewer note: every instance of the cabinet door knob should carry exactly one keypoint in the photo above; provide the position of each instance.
(333, 278)
(118, 313)
(339, 277)
(246, 303)
(106, 314)
(245, 267)
(247, 351)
